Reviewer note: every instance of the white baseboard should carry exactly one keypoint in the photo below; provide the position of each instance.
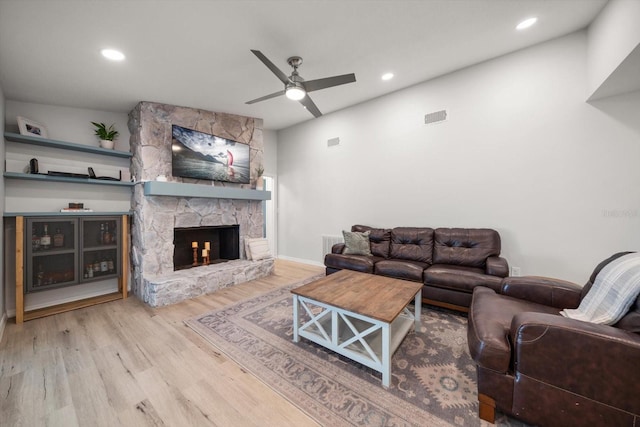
(301, 261)
(3, 324)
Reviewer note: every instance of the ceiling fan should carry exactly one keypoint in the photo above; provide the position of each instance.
(295, 87)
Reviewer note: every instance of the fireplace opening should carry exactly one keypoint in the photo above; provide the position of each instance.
(223, 242)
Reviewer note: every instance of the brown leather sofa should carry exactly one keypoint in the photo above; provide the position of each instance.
(450, 262)
(548, 370)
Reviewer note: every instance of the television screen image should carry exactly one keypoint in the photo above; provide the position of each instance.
(200, 155)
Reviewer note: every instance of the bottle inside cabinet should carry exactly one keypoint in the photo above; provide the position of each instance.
(100, 232)
(63, 235)
(52, 271)
(100, 250)
(51, 255)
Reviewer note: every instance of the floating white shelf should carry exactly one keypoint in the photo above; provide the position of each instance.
(45, 142)
(54, 178)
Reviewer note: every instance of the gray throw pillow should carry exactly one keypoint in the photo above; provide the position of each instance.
(356, 243)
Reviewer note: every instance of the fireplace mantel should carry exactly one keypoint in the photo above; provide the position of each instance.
(178, 189)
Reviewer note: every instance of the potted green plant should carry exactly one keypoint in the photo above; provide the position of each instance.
(259, 179)
(106, 134)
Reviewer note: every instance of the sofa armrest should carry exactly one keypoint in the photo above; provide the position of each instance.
(497, 266)
(598, 362)
(337, 248)
(543, 290)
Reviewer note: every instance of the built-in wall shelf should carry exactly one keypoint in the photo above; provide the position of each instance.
(53, 178)
(45, 142)
(178, 189)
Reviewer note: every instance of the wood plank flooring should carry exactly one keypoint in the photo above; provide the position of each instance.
(123, 363)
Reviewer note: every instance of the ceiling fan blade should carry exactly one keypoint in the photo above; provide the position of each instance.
(308, 103)
(318, 84)
(270, 65)
(264, 98)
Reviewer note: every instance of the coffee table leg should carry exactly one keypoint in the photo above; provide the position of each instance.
(418, 309)
(295, 319)
(386, 356)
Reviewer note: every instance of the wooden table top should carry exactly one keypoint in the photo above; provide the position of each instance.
(378, 297)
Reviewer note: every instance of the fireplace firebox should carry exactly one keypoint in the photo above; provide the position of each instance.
(223, 240)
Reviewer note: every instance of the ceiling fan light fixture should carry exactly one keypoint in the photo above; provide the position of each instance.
(295, 91)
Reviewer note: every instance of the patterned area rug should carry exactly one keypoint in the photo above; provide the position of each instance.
(433, 377)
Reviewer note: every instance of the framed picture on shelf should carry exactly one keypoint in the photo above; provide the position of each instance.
(31, 128)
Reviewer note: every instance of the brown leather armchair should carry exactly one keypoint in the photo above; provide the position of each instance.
(549, 370)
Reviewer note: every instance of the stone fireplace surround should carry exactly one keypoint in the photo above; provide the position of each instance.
(155, 217)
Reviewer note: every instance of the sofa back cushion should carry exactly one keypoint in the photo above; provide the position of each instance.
(465, 246)
(379, 239)
(412, 243)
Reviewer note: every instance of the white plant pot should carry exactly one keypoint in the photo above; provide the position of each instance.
(104, 143)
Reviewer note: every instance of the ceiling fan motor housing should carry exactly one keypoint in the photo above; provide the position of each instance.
(295, 61)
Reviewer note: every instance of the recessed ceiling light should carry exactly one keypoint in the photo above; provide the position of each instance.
(112, 54)
(387, 76)
(526, 23)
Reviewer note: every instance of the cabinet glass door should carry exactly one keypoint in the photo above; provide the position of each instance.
(100, 250)
(51, 253)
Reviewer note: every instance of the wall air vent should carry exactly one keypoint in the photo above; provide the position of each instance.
(333, 142)
(435, 117)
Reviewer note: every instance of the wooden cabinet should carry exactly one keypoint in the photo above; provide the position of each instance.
(56, 251)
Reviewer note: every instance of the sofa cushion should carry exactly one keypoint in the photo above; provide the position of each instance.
(460, 278)
(356, 243)
(465, 246)
(412, 243)
(489, 327)
(360, 263)
(401, 269)
(379, 239)
(259, 249)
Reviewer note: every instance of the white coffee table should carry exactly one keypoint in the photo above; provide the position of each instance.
(361, 316)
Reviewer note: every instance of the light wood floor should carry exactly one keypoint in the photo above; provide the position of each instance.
(124, 363)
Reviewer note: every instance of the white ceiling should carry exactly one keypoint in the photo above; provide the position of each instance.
(197, 53)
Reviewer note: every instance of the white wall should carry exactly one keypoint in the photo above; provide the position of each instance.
(270, 155)
(521, 152)
(270, 139)
(68, 124)
(613, 35)
(3, 309)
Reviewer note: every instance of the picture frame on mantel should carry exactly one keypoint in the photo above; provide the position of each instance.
(31, 128)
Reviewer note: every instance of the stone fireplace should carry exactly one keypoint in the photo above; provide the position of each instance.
(188, 203)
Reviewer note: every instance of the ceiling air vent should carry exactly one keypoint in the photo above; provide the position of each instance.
(436, 117)
(333, 142)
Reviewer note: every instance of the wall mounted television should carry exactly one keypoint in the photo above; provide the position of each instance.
(201, 155)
